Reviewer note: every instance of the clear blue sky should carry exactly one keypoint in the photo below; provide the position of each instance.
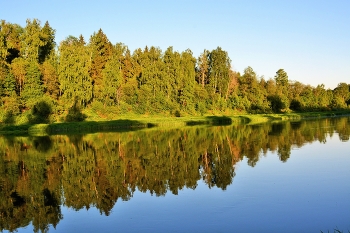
(310, 39)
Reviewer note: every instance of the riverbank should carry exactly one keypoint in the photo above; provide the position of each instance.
(126, 123)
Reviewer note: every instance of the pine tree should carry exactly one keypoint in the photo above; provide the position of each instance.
(48, 41)
(101, 50)
(281, 78)
(9, 98)
(9, 85)
(282, 85)
(187, 80)
(172, 70)
(112, 79)
(50, 77)
(33, 89)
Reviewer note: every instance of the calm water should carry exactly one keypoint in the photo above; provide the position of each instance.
(281, 177)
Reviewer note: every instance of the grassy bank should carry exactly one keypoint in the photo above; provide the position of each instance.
(139, 122)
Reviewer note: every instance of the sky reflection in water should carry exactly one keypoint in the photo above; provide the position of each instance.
(308, 193)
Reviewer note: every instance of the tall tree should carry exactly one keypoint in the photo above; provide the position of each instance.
(203, 68)
(8, 97)
(341, 95)
(151, 93)
(131, 71)
(4, 70)
(73, 71)
(282, 85)
(18, 67)
(172, 69)
(219, 67)
(281, 78)
(48, 42)
(294, 95)
(323, 101)
(32, 40)
(128, 66)
(101, 50)
(250, 89)
(9, 85)
(33, 89)
(112, 79)
(186, 80)
(10, 42)
(233, 83)
(50, 76)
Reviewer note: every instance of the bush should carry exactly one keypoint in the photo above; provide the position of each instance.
(177, 113)
(201, 108)
(295, 105)
(75, 114)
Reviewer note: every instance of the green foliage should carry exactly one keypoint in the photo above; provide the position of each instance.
(201, 107)
(33, 88)
(10, 106)
(341, 96)
(295, 105)
(50, 77)
(112, 79)
(202, 71)
(42, 111)
(48, 42)
(9, 85)
(185, 81)
(146, 81)
(32, 40)
(219, 66)
(281, 78)
(19, 69)
(74, 113)
(10, 41)
(278, 103)
(73, 71)
(101, 50)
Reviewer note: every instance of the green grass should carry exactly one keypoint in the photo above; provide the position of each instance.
(134, 122)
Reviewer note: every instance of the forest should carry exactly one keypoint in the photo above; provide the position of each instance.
(74, 80)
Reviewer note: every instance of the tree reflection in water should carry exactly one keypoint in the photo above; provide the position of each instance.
(38, 173)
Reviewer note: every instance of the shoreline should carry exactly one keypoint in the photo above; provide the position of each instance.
(142, 122)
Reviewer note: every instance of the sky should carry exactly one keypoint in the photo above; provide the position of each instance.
(309, 39)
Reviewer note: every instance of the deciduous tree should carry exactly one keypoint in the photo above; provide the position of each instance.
(73, 71)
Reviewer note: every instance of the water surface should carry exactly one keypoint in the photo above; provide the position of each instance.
(276, 177)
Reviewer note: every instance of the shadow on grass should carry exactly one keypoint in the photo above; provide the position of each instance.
(75, 114)
(97, 126)
(75, 127)
(244, 119)
(211, 120)
(273, 118)
(17, 130)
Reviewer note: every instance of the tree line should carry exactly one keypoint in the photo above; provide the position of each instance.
(43, 81)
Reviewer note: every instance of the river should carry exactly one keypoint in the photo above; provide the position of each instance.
(274, 177)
